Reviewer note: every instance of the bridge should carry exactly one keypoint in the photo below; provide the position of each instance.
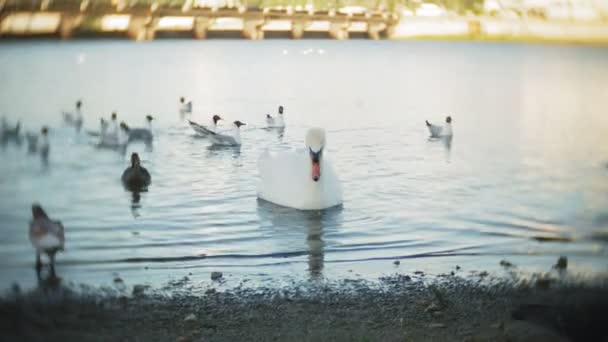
(199, 19)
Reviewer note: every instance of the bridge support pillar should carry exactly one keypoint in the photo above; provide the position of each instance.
(142, 28)
(200, 27)
(68, 25)
(374, 30)
(338, 30)
(252, 29)
(297, 29)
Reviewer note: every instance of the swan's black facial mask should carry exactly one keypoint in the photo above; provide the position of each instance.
(315, 157)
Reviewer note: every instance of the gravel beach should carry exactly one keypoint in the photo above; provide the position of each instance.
(393, 308)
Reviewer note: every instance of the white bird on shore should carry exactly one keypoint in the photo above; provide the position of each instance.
(437, 131)
(46, 236)
(224, 139)
(300, 179)
(74, 119)
(185, 107)
(277, 122)
(203, 130)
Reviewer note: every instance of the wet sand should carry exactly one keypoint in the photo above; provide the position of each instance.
(395, 308)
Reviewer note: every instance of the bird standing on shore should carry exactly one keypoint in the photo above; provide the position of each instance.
(47, 237)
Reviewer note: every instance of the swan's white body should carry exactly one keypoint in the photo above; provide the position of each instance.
(203, 130)
(226, 139)
(437, 131)
(286, 179)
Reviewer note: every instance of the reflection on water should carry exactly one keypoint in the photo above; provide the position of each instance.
(526, 177)
(311, 225)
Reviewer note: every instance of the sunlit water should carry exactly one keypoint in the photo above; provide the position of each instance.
(525, 177)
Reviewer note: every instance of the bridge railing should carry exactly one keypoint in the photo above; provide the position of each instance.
(296, 5)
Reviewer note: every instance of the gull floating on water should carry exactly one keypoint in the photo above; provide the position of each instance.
(276, 122)
(185, 107)
(437, 131)
(205, 130)
(226, 139)
(300, 179)
(45, 147)
(142, 134)
(47, 237)
(8, 133)
(74, 119)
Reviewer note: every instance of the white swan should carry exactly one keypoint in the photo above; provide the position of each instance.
(441, 131)
(301, 179)
(74, 119)
(185, 107)
(205, 130)
(279, 121)
(224, 139)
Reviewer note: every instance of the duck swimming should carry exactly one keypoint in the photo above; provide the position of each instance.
(224, 139)
(47, 237)
(302, 179)
(205, 130)
(437, 131)
(277, 122)
(142, 134)
(136, 177)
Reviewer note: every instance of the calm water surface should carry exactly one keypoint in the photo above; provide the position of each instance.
(524, 178)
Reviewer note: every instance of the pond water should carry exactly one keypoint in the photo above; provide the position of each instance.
(525, 176)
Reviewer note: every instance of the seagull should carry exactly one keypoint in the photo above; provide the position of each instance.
(142, 134)
(437, 131)
(74, 119)
(204, 130)
(185, 107)
(227, 139)
(279, 121)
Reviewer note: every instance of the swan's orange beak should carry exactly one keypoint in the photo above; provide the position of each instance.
(316, 171)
